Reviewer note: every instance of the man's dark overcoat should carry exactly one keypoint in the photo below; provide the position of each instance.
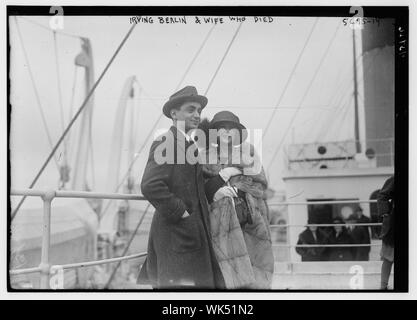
(312, 253)
(179, 249)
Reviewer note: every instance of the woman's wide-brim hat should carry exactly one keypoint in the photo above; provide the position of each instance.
(223, 118)
(186, 94)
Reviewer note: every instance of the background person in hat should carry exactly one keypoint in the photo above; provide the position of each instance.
(239, 221)
(359, 216)
(310, 236)
(341, 235)
(360, 234)
(179, 248)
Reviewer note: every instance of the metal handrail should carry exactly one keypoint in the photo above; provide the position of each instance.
(325, 225)
(24, 271)
(75, 194)
(47, 196)
(303, 203)
(80, 264)
(344, 245)
(104, 261)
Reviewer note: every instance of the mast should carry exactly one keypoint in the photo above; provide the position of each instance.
(355, 95)
(113, 172)
(85, 60)
(132, 137)
(111, 207)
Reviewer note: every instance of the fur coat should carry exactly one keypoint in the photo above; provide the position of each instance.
(244, 252)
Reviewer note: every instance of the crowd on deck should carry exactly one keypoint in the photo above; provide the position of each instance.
(354, 239)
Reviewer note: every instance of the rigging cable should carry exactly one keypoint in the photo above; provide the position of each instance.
(290, 77)
(90, 148)
(323, 132)
(74, 85)
(305, 95)
(126, 249)
(344, 112)
(87, 98)
(338, 111)
(58, 77)
(345, 85)
(224, 57)
(38, 100)
(318, 117)
(323, 107)
(195, 58)
(333, 113)
(49, 29)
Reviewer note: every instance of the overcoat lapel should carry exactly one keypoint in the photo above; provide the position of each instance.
(198, 175)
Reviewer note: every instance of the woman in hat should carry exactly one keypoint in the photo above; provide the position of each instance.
(235, 187)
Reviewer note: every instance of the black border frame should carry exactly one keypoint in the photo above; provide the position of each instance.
(401, 16)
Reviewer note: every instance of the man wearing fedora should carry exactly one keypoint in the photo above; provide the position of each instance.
(180, 253)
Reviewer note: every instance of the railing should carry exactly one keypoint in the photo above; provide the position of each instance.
(290, 244)
(45, 268)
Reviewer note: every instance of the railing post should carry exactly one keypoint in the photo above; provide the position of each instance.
(46, 239)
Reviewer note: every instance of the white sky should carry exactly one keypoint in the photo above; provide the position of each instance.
(249, 83)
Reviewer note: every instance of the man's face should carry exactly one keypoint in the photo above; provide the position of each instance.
(188, 114)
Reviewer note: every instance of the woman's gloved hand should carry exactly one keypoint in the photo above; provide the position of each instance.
(225, 191)
(229, 172)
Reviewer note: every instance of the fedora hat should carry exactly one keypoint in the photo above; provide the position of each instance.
(338, 220)
(189, 93)
(226, 117)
